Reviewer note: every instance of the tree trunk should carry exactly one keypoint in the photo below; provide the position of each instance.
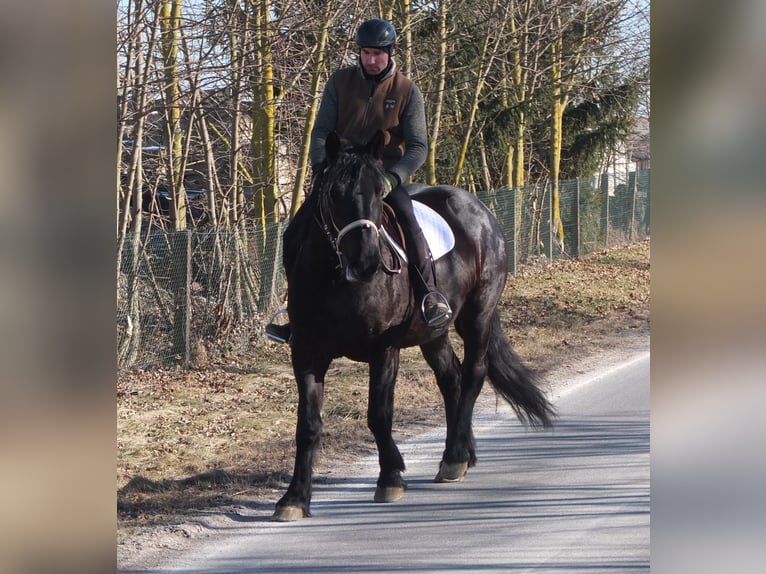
(311, 113)
(170, 21)
(443, 8)
(557, 114)
(485, 64)
(264, 111)
(404, 39)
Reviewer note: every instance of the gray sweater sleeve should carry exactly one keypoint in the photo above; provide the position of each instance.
(325, 122)
(413, 124)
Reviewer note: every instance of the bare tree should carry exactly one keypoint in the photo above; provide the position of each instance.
(442, 8)
(222, 96)
(578, 30)
(491, 30)
(139, 33)
(318, 73)
(170, 27)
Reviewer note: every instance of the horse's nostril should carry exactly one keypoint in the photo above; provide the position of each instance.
(372, 269)
(355, 273)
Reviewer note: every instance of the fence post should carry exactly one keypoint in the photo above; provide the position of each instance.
(181, 281)
(549, 199)
(632, 200)
(269, 256)
(513, 260)
(576, 217)
(646, 211)
(605, 208)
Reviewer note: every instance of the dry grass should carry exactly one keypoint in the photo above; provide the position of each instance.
(189, 440)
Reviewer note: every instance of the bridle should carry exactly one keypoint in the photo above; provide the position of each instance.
(335, 235)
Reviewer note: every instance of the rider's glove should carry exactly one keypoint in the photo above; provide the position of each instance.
(391, 181)
(318, 168)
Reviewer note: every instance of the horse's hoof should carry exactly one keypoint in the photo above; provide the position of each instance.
(389, 493)
(287, 514)
(451, 471)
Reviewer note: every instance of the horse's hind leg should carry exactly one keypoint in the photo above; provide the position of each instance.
(473, 326)
(380, 412)
(441, 357)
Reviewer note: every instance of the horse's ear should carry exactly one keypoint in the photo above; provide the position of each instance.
(376, 144)
(332, 146)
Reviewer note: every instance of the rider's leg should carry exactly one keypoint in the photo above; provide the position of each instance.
(292, 239)
(291, 244)
(294, 235)
(436, 309)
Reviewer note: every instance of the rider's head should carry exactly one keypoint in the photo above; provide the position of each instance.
(376, 39)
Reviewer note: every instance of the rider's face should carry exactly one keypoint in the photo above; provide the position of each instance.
(374, 61)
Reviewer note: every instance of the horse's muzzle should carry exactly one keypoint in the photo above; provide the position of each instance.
(364, 260)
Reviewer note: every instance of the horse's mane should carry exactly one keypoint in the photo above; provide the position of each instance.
(351, 157)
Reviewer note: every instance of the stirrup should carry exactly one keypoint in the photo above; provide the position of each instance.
(280, 333)
(443, 318)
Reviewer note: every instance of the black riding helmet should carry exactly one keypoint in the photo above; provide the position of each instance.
(376, 33)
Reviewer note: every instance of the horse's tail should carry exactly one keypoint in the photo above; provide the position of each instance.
(515, 382)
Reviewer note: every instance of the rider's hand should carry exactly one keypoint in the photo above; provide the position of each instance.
(392, 181)
(318, 168)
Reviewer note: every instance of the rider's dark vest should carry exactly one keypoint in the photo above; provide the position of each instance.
(365, 106)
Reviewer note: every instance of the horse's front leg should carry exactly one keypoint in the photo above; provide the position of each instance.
(380, 413)
(295, 504)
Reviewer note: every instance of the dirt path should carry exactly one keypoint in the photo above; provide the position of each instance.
(143, 548)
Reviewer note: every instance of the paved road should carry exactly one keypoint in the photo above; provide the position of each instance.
(575, 499)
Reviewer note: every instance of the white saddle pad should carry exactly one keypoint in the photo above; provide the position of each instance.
(438, 234)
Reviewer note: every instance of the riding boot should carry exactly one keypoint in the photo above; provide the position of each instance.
(434, 307)
(276, 332)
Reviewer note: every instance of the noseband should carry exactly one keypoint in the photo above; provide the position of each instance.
(363, 223)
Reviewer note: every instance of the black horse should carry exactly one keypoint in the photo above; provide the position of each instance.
(346, 300)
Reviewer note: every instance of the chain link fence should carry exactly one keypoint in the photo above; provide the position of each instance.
(184, 298)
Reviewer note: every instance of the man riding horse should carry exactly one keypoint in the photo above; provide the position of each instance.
(358, 101)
